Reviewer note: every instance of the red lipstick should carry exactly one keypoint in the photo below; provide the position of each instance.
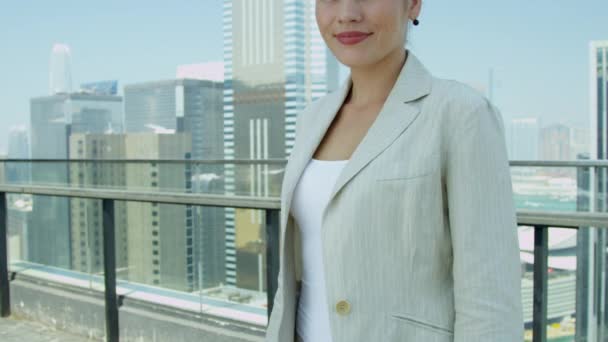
(352, 37)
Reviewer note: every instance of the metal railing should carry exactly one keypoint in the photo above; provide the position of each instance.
(108, 197)
(539, 220)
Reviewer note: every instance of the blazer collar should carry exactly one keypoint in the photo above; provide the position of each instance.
(398, 111)
(413, 82)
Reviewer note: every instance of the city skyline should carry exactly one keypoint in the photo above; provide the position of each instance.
(555, 90)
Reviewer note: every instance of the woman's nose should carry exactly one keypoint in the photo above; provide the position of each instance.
(349, 10)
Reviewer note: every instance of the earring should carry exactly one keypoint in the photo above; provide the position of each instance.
(416, 22)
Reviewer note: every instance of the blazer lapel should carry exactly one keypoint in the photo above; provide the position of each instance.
(413, 82)
(395, 117)
(302, 155)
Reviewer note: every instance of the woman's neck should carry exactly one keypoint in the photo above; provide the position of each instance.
(371, 85)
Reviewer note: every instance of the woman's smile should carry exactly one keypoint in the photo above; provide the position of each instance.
(352, 37)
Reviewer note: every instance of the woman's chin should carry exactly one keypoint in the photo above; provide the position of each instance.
(353, 60)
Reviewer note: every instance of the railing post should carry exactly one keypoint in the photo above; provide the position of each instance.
(272, 255)
(5, 295)
(109, 265)
(541, 254)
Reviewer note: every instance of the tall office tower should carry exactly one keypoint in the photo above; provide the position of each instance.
(60, 80)
(599, 114)
(555, 142)
(523, 139)
(18, 148)
(86, 215)
(161, 240)
(276, 63)
(53, 119)
(193, 107)
(591, 305)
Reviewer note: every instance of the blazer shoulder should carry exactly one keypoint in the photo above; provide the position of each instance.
(457, 94)
(460, 103)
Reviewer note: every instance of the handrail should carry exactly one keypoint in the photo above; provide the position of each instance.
(561, 219)
(524, 216)
(201, 199)
(280, 161)
(558, 163)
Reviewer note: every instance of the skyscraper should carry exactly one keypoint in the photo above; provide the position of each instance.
(194, 107)
(276, 63)
(86, 215)
(60, 80)
(592, 242)
(161, 239)
(53, 119)
(599, 114)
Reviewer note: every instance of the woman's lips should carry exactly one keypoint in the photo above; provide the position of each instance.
(351, 38)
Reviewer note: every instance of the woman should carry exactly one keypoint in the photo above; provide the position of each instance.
(398, 221)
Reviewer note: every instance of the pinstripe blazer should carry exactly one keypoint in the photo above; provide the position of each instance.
(419, 235)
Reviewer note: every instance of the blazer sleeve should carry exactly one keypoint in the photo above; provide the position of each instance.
(486, 264)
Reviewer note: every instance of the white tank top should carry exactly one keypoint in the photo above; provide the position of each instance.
(309, 199)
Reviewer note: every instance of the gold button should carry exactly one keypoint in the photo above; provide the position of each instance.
(343, 307)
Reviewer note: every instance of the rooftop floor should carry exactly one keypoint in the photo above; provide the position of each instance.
(18, 330)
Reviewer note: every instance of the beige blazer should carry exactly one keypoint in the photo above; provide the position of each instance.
(419, 236)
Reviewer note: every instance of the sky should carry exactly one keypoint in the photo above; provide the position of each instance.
(538, 49)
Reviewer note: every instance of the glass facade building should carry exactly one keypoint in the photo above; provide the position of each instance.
(194, 108)
(276, 63)
(599, 113)
(53, 119)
